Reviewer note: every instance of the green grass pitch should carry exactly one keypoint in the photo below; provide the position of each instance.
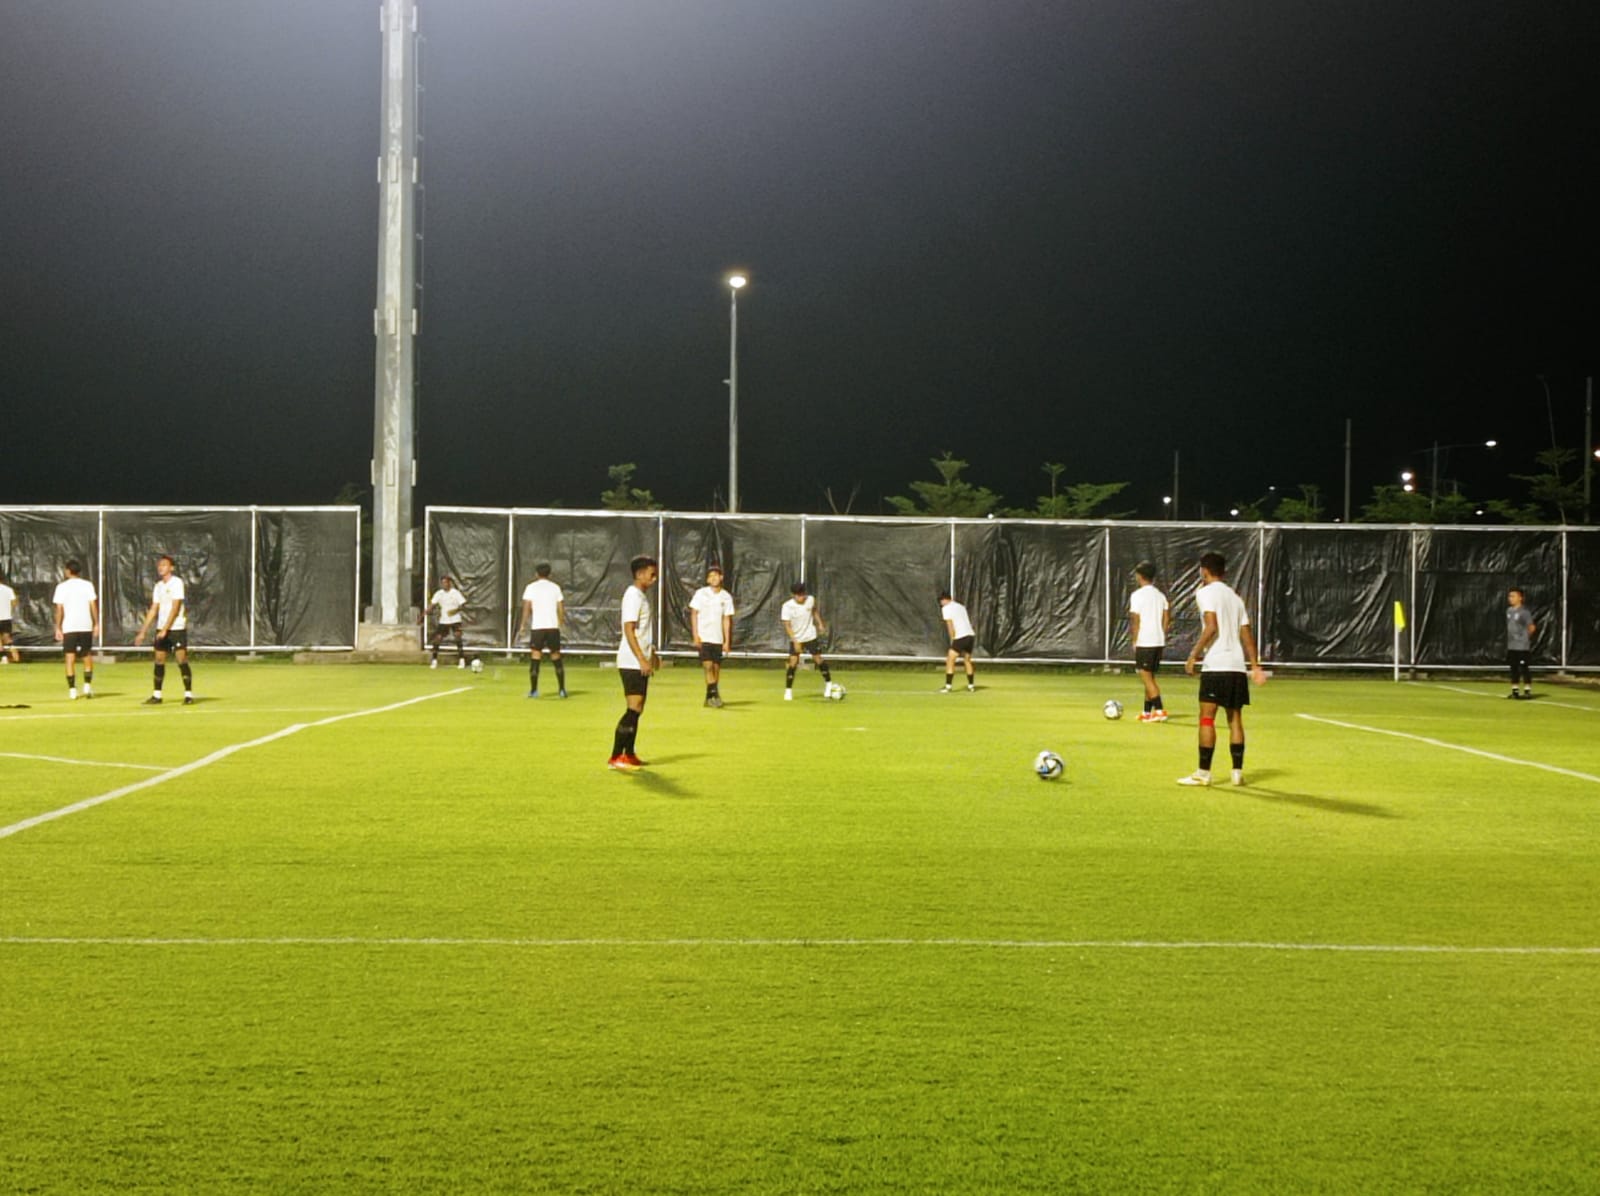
(817, 947)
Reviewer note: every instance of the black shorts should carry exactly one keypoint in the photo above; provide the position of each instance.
(711, 652)
(634, 683)
(544, 639)
(964, 644)
(173, 641)
(806, 648)
(5, 626)
(1231, 691)
(440, 630)
(1147, 660)
(79, 643)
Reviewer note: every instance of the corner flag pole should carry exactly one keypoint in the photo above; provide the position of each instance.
(1399, 626)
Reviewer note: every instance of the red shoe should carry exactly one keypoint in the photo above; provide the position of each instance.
(1158, 716)
(622, 764)
(633, 760)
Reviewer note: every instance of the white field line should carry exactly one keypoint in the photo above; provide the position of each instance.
(1478, 693)
(1454, 747)
(220, 754)
(778, 943)
(90, 763)
(195, 713)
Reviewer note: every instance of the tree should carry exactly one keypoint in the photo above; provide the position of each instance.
(1392, 503)
(1305, 509)
(1546, 490)
(623, 496)
(950, 496)
(1081, 500)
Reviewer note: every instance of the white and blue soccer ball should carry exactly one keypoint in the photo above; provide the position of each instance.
(1049, 766)
(477, 665)
(1112, 709)
(833, 691)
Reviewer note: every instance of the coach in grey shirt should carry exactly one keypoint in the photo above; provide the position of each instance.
(1519, 643)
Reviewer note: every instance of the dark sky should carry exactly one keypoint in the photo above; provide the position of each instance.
(1091, 233)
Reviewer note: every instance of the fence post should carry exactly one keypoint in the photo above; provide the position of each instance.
(1565, 535)
(255, 558)
(511, 571)
(1411, 623)
(1106, 536)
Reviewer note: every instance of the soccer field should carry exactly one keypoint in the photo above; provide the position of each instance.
(816, 947)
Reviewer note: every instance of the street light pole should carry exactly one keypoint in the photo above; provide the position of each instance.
(735, 281)
(1588, 443)
(1347, 471)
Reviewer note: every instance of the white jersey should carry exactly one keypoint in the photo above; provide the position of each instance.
(1226, 655)
(8, 602)
(635, 610)
(801, 618)
(165, 595)
(544, 600)
(1150, 604)
(449, 603)
(73, 596)
(960, 622)
(709, 607)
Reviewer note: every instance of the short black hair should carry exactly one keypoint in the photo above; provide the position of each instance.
(799, 587)
(541, 570)
(74, 566)
(1146, 570)
(167, 556)
(1214, 563)
(1518, 591)
(641, 562)
(943, 594)
(713, 567)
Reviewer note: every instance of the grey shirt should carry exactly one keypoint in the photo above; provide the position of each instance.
(1518, 620)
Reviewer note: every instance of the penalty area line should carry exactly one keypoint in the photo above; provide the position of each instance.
(88, 763)
(779, 943)
(1478, 693)
(173, 774)
(1454, 747)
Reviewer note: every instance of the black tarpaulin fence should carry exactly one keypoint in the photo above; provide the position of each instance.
(255, 577)
(1039, 591)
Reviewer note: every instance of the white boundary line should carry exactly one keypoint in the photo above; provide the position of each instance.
(17, 718)
(90, 763)
(769, 943)
(1478, 693)
(1454, 747)
(220, 754)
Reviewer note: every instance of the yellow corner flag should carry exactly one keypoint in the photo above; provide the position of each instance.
(1399, 616)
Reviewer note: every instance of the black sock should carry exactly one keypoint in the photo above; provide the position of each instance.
(1236, 750)
(627, 730)
(1205, 758)
(1149, 705)
(161, 675)
(826, 676)
(711, 689)
(88, 677)
(949, 679)
(1155, 703)
(788, 678)
(72, 682)
(972, 677)
(561, 673)
(188, 676)
(533, 673)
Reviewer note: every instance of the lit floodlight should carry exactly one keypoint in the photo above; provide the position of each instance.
(1234, 511)
(1490, 443)
(1407, 476)
(737, 280)
(1408, 488)
(1166, 500)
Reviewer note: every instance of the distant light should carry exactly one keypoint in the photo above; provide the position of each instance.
(737, 280)
(1408, 487)
(1597, 454)
(1480, 511)
(1490, 443)
(1234, 511)
(1166, 499)
(1407, 476)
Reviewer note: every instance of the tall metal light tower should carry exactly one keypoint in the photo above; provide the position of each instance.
(394, 322)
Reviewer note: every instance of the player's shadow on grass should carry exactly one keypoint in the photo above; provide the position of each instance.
(1310, 801)
(659, 785)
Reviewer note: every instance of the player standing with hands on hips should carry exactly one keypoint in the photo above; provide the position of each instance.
(962, 638)
(711, 619)
(170, 612)
(636, 660)
(1229, 649)
(77, 625)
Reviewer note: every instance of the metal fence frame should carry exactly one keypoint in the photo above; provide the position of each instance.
(255, 511)
(1112, 609)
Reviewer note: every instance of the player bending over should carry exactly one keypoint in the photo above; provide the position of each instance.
(636, 660)
(449, 600)
(544, 609)
(1227, 644)
(962, 638)
(77, 625)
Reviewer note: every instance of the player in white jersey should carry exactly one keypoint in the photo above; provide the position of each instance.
(544, 609)
(449, 600)
(636, 660)
(8, 606)
(1149, 620)
(1231, 663)
(958, 624)
(802, 622)
(77, 624)
(711, 620)
(169, 610)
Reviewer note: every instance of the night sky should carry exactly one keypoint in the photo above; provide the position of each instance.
(1092, 233)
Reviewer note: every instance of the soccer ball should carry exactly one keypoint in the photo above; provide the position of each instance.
(1112, 709)
(1049, 766)
(833, 691)
(477, 665)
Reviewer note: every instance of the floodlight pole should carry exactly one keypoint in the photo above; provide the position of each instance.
(1347, 443)
(735, 281)
(394, 322)
(1588, 443)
